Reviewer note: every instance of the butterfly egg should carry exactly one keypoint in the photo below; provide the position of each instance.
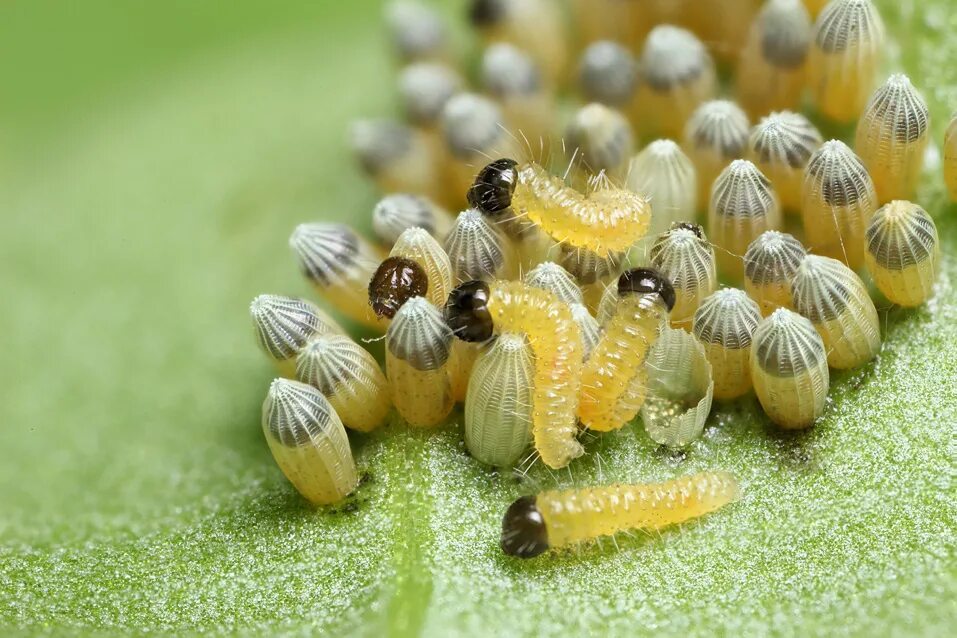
(498, 408)
(419, 246)
(781, 145)
(339, 264)
(771, 73)
(350, 379)
(685, 256)
(592, 271)
(554, 519)
(602, 139)
(676, 74)
(396, 157)
(845, 56)
(609, 394)
(716, 135)
(555, 279)
(722, 24)
(743, 205)
(666, 177)
(416, 32)
(627, 23)
(815, 7)
(512, 78)
(892, 137)
(769, 267)
(903, 253)
(285, 324)
(477, 249)
(724, 326)
(418, 347)
(587, 326)
(308, 442)
(398, 212)
(424, 89)
(608, 74)
(834, 298)
(477, 311)
(789, 369)
(950, 158)
(837, 202)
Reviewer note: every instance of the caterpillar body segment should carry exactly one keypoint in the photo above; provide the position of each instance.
(903, 253)
(716, 135)
(685, 256)
(781, 145)
(769, 267)
(724, 326)
(284, 325)
(950, 158)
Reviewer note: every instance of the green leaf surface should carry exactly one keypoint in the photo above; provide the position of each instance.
(147, 195)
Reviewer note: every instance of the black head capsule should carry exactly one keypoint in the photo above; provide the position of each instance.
(695, 228)
(395, 281)
(644, 281)
(524, 534)
(466, 312)
(492, 191)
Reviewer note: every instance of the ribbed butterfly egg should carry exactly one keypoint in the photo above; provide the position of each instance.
(834, 298)
(845, 56)
(477, 249)
(892, 137)
(398, 212)
(555, 279)
(724, 325)
(284, 325)
(950, 158)
(416, 31)
(593, 272)
(608, 74)
(339, 264)
(722, 24)
(308, 442)
(396, 157)
(424, 89)
(685, 256)
(781, 145)
(554, 519)
(769, 267)
(743, 205)
(903, 253)
(789, 369)
(511, 76)
(419, 246)
(716, 135)
(666, 177)
(837, 202)
(602, 140)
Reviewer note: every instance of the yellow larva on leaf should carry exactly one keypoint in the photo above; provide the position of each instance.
(308, 442)
(398, 158)
(892, 137)
(417, 32)
(419, 246)
(685, 256)
(903, 253)
(666, 177)
(769, 267)
(608, 74)
(284, 325)
(477, 311)
(950, 158)
(724, 326)
(834, 298)
(845, 55)
(424, 89)
(554, 519)
(789, 369)
(513, 79)
(781, 145)
(837, 202)
(347, 375)
(716, 135)
(398, 212)
(602, 140)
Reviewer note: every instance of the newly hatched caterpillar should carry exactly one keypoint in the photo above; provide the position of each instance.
(892, 137)
(284, 325)
(743, 205)
(420, 247)
(511, 76)
(347, 375)
(724, 326)
(950, 158)
(903, 253)
(417, 32)
(789, 369)
(676, 75)
(534, 524)
(781, 145)
(395, 281)
(666, 177)
(834, 298)
(398, 158)
(717, 134)
(398, 212)
(602, 138)
(424, 89)
(608, 74)
(555, 279)
(308, 442)
(837, 202)
(418, 346)
(770, 75)
(477, 249)
(477, 311)
(685, 256)
(769, 267)
(339, 264)
(610, 394)
(845, 55)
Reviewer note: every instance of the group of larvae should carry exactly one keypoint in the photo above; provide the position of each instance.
(579, 285)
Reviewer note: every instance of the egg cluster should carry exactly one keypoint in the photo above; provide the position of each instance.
(584, 283)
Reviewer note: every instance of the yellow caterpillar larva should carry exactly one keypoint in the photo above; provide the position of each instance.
(602, 141)
(418, 346)
(416, 31)
(676, 75)
(845, 55)
(903, 253)
(477, 249)
(834, 298)
(770, 75)
(395, 213)
(534, 524)
(666, 177)
(781, 146)
(608, 74)
(680, 389)
(950, 158)
(769, 266)
(339, 264)
(347, 375)
(837, 202)
(555, 279)
(285, 324)
(724, 326)
(308, 442)
(717, 134)
(476, 311)
(743, 205)
(399, 159)
(419, 246)
(424, 88)
(789, 369)
(587, 326)
(608, 393)
(892, 136)
(685, 256)
(510, 75)
(498, 408)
